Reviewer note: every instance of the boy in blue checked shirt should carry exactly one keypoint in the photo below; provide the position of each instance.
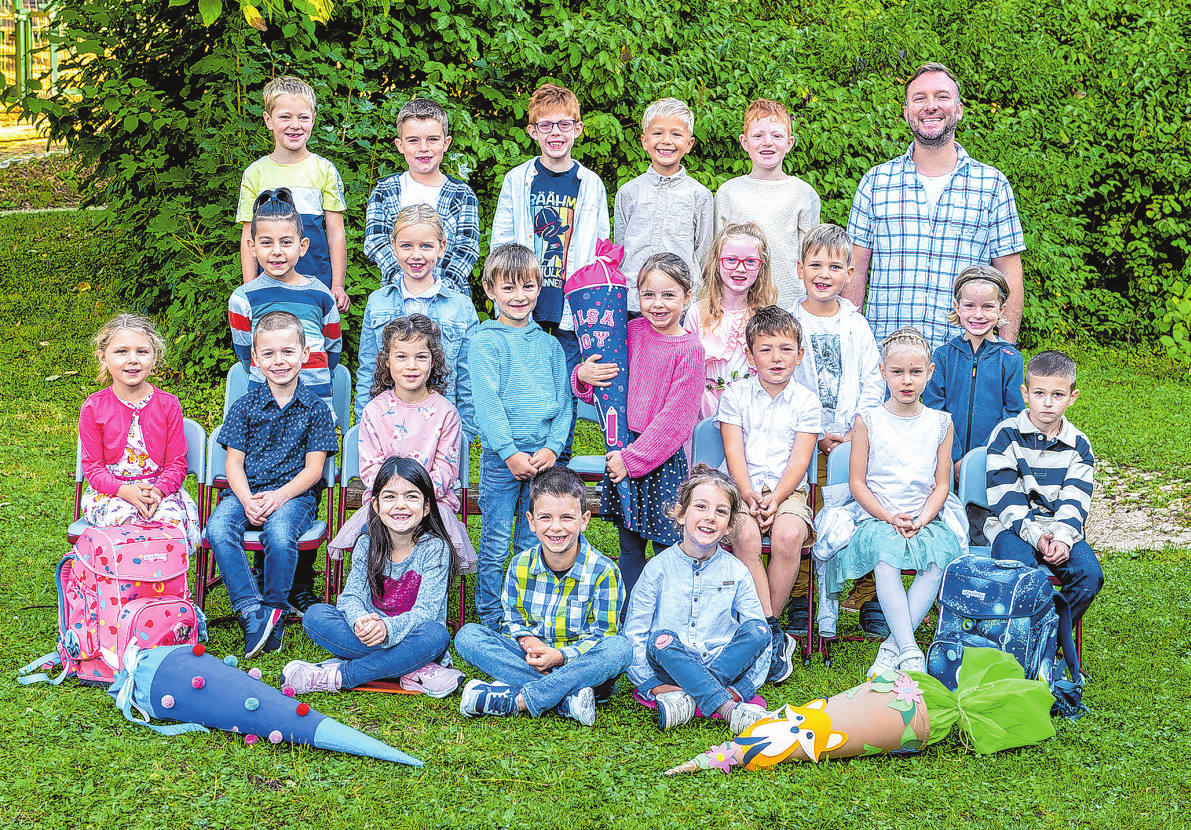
(278, 437)
(423, 138)
(562, 600)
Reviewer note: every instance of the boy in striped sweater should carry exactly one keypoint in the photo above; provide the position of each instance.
(1039, 479)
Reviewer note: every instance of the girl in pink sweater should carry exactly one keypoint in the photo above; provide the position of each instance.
(133, 443)
(408, 416)
(665, 366)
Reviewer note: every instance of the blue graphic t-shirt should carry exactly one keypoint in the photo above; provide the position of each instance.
(552, 198)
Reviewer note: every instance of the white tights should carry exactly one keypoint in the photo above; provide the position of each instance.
(905, 610)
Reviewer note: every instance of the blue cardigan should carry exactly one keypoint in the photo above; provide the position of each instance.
(979, 390)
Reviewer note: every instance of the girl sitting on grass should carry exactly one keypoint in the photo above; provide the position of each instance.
(389, 622)
(700, 640)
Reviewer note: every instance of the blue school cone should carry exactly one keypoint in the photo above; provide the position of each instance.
(183, 683)
(598, 296)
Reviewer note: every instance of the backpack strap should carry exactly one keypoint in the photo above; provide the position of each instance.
(1068, 692)
(47, 661)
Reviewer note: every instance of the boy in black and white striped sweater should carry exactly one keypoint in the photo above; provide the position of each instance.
(1039, 479)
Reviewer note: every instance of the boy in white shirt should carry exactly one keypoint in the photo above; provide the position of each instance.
(769, 426)
(785, 206)
(842, 358)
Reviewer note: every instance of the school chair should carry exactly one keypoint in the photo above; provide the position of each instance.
(589, 467)
(350, 469)
(973, 490)
(341, 392)
(707, 446)
(196, 465)
(216, 480)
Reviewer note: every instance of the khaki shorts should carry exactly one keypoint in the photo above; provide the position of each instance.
(798, 504)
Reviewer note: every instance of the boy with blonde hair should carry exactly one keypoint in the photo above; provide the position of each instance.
(290, 108)
(423, 137)
(522, 407)
(557, 208)
(784, 206)
(664, 210)
(278, 436)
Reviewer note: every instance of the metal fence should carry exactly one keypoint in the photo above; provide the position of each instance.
(25, 51)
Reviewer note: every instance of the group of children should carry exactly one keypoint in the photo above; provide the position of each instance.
(695, 626)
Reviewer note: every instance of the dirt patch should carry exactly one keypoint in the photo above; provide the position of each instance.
(1135, 509)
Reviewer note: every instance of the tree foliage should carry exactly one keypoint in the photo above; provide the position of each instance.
(1083, 105)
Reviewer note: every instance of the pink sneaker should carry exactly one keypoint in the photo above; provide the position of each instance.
(433, 679)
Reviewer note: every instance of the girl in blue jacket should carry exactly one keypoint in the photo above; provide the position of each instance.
(977, 376)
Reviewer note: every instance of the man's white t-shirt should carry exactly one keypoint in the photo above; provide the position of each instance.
(934, 186)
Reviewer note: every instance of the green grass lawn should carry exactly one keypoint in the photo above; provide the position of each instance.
(70, 760)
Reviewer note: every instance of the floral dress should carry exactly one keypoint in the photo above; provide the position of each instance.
(176, 510)
(724, 346)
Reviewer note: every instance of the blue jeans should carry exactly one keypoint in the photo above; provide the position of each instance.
(677, 665)
(502, 658)
(279, 537)
(1081, 575)
(326, 625)
(570, 347)
(504, 501)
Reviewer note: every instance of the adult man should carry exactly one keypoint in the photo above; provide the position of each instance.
(923, 217)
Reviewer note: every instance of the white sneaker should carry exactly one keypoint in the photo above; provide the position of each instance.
(887, 659)
(579, 707)
(433, 680)
(745, 715)
(674, 709)
(312, 677)
(912, 659)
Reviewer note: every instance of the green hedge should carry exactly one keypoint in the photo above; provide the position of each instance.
(1082, 105)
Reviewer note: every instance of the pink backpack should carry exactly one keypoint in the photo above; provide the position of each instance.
(120, 585)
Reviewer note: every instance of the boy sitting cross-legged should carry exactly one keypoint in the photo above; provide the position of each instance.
(562, 600)
(522, 410)
(769, 425)
(278, 437)
(423, 138)
(1039, 478)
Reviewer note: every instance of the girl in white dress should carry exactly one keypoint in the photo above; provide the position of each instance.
(902, 515)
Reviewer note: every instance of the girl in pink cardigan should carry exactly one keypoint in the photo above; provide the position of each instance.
(408, 416)
(665, 366)
(134, 446)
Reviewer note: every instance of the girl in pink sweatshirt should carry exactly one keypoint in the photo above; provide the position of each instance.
(133, 442)
(665, 366)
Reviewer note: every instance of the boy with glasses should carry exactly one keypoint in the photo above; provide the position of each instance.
(557, 208)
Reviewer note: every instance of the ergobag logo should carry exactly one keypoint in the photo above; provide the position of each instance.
(971, 594)
(155, 557)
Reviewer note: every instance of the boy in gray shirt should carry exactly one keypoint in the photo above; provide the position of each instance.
(664, 210)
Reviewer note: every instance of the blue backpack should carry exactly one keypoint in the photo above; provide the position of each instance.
(1014, 608)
